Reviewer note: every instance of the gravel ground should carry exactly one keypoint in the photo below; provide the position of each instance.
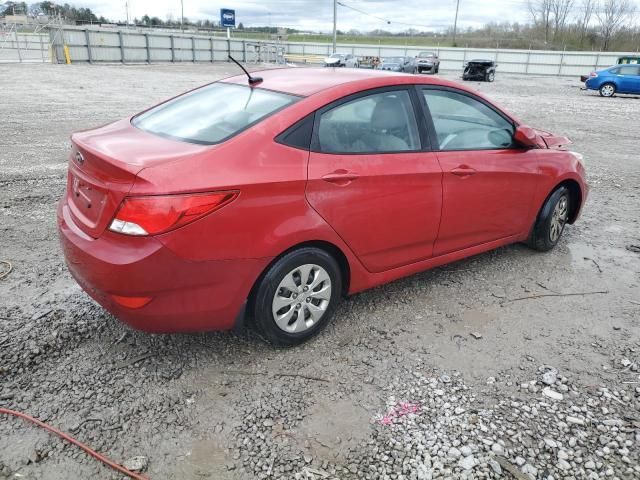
(446, 374)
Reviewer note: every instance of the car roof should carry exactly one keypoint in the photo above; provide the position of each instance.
(305, 82)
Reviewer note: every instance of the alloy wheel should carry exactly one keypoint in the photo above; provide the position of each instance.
(302, 298)
(607, 90)
(559, 219)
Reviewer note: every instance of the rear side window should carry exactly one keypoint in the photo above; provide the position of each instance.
(630, 70)
(212, 114)
(376, 123)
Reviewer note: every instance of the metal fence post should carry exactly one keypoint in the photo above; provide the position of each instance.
(244, 51)
(173, 50)
(121, 46)
(228, 48)
(88, 39)
(42, 48)
(18, 46)
(526, 70)
(597, 61)
(193, 49)
(212, 56)
(561, 60)
(146, 44)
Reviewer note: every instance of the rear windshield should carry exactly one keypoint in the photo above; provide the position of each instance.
(211, 114)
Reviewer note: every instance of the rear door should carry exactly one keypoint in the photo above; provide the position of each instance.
(488, 184)
(370, 179)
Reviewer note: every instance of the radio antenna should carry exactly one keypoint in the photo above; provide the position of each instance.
(252, 80)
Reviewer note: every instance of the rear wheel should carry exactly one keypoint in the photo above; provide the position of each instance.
(551, 221)
(297, 296)
(608, 90)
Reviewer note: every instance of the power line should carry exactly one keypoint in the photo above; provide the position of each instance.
(387, 21)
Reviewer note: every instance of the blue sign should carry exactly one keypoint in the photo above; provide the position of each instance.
(227, 17)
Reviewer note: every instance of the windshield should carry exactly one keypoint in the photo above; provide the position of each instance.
(426, 54)
(335, 55)
(211, 114)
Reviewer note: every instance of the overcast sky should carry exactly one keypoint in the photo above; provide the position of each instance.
(318, 14)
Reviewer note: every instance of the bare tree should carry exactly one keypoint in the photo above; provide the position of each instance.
(560, 12)
(541, 12)
(584, 17)
(611, 17)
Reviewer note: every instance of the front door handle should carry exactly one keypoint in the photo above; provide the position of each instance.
(340, 177)
(463, 171)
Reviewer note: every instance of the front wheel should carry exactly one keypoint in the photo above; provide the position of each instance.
(491, 76)
(551, 221)
(608, 90)
(297, 296)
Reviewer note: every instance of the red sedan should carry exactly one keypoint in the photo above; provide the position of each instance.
(273, 198)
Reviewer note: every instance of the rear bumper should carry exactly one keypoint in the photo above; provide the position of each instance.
(186, 295)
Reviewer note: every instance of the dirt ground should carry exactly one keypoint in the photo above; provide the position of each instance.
(226, 406)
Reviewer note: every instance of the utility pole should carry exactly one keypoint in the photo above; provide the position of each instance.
(126, 7)
(182, 15)
(335, 17)
(455, 22)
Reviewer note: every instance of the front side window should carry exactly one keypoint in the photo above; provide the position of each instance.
(376, 123)
(211, 114)
(464, 123)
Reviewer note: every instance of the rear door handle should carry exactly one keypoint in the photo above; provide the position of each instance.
(340, 177)
(463, 171)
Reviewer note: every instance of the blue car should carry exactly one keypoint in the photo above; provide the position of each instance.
(616, 79)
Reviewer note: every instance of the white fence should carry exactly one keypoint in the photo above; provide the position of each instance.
(24, 47)
(138, 46)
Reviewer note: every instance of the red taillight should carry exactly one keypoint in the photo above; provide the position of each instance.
(152, 215)
(593, 74)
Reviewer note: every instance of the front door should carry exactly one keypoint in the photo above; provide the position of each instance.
(488, 184)
(629, 78)
(369, 179)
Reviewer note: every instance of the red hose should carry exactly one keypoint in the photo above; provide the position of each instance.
(75, 442)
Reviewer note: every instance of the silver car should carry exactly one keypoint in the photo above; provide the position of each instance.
(341, 60)
(398, 64)
(427, 62)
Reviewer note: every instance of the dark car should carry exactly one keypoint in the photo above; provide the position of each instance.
(480, 70)
(398, 64)
(427, 62)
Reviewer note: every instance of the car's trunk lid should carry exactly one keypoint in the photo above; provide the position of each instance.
(103, 165)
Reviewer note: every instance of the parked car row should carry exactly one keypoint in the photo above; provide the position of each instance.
(424, 62)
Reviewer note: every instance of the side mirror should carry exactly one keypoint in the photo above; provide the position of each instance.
(527, 137)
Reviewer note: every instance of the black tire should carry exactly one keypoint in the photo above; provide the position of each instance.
(542, 237)
(490, 77)
(607, 90)
(268, 287)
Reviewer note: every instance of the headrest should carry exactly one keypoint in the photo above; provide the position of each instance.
(388, 114)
